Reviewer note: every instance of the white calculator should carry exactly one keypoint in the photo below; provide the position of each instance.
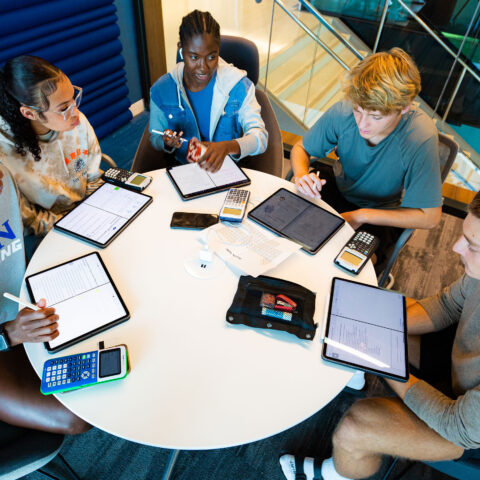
(235, 205)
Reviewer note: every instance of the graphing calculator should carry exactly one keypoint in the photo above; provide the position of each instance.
(235, 205)
(126, 178)
(357, 251)
(84, 369)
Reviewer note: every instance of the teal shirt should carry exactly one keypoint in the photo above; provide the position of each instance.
(402, 170)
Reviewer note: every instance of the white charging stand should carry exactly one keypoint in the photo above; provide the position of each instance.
(204, 264)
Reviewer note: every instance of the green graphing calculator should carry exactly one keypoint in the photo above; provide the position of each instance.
(62, 374)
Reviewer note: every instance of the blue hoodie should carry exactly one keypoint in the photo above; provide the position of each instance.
(234, 114)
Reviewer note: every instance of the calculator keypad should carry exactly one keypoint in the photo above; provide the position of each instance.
(118, 174)
(363, 242)
(69, 372)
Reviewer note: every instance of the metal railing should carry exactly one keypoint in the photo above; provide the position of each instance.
(454, 54)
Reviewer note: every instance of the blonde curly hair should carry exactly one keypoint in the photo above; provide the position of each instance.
(385, 81)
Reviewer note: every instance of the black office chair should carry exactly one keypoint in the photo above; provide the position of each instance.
(243, 54)
(448, 149)
(23, 451)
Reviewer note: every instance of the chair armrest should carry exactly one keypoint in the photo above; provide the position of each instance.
(108, 160)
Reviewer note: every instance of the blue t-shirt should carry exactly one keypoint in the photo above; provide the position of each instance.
(201, 103)
(402, 170)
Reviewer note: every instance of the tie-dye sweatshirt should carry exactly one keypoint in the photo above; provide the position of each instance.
(67, 171)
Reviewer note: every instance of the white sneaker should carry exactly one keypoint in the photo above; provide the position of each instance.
(289, 469)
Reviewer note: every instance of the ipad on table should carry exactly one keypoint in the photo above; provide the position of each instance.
(83, 295)
(367, 329)
(297, 219)
(104, 214)
(192, 181)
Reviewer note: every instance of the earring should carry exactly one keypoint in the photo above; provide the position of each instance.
(180, 53)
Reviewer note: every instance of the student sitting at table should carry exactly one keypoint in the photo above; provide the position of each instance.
(45, 141)
(206, 98)
(21, 402)
(387, 176)
(436, 414)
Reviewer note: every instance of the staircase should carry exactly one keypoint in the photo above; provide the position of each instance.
(303, 80)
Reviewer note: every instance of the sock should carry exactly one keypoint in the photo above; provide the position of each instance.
(329, 472)
(357, 382)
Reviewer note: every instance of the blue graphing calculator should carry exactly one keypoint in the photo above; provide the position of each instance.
(84, 369)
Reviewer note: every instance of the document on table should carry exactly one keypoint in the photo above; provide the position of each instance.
(192, 178)
(101, 215)
(81, 293)
(247, 247)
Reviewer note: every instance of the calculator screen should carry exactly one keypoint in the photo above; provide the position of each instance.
(110, 363)
(138, 180)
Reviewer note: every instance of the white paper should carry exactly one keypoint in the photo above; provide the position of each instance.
(248, 248)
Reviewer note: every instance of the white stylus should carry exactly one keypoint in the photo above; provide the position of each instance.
(181, 139)
(20, 301)
(353, 351)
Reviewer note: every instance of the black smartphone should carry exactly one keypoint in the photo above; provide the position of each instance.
(196, 221)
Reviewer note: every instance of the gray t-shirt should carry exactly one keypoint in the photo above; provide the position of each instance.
(457, 420)
(404, 163)
(12, 252)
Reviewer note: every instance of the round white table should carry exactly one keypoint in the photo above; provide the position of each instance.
(198, 382)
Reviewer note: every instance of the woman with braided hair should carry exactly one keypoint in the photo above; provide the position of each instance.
(206, 98)
(45, 141)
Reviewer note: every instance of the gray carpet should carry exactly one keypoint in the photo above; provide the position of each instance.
(425, 265)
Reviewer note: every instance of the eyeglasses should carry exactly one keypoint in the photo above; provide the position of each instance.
(68, 110)
(77, 99)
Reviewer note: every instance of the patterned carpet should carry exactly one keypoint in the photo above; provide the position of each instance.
(425, 265)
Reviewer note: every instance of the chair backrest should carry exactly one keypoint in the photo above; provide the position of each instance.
(271, 160)
(23, 451)
(147, 158)
(241, 52)
(448, 149)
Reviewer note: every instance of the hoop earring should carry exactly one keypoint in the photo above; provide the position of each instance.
(180, 52)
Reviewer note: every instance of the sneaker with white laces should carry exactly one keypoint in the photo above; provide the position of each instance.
(300, 468)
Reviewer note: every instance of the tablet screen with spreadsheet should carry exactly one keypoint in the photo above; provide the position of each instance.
(101, 217)
(367, 329)
(84, 297)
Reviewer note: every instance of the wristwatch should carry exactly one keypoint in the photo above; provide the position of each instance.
(4, 340)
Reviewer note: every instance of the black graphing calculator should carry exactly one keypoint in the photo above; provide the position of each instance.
(357, 251)
(84, 369)
(126, 178)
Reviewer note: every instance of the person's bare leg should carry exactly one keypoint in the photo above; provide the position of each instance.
(376, 426)
(22, 404)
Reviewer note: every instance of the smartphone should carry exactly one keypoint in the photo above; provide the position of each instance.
(197, 221)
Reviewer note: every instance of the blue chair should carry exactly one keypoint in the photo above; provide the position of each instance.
(23, 451)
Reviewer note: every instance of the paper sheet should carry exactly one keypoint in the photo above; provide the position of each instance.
(247, 247)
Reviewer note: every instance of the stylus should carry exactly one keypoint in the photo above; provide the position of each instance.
(357, 353)
(20, 301)
(158, 132)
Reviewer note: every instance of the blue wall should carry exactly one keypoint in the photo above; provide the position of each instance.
(128, 39)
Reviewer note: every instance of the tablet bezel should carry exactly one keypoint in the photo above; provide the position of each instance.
(202, 193)
(118, 232)
(251, 216)
(357, 366)
(91, 333)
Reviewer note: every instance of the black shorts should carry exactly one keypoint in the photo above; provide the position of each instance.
(331, 194)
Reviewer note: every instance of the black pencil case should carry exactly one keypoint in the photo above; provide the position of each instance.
(248, 305)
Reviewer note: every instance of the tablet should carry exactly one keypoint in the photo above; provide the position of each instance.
(104, 214)
(192, 181)
(84, 297)
(297, 219)
(367, 329)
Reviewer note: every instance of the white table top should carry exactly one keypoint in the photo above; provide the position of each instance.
(198, 382)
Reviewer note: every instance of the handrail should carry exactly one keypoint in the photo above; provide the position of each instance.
(382, 22)
(331, 29)
(312, 35)
(438, 39)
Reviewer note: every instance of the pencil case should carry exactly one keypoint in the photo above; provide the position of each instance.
(273, 303)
